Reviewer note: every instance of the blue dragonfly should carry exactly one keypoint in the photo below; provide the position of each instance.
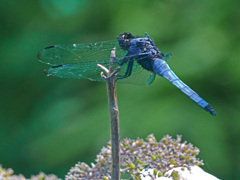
(139, 59)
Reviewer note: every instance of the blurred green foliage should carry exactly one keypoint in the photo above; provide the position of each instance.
(49, 124)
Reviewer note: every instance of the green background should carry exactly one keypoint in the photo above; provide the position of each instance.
(48, 124)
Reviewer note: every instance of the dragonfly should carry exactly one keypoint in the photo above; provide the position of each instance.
(138, 57)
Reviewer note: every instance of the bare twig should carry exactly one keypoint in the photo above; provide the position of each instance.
(113, 111)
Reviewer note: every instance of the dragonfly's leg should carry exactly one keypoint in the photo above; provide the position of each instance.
(130, 60)
(114, 72)
(128, 71)
(121, 62)
(151, 78)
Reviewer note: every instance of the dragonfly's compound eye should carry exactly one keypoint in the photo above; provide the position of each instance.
(125, 36)
(124, 40)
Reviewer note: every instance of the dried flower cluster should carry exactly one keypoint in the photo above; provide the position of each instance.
(137, 156)
(7, 174)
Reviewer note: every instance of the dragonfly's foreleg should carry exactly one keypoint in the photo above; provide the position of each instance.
(128, 71)
(130, 60)
(116, 71)
(123, 61)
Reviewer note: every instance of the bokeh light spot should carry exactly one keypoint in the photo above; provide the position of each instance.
(63, 8)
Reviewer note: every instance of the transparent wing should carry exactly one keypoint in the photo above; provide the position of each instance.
(78, 61)
(74, 53)
(85, 70)
(90, 71)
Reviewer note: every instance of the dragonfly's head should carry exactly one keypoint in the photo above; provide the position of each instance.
(124, 40)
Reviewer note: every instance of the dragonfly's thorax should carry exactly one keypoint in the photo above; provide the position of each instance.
(146, 48)
(142, 49)
(139, 46)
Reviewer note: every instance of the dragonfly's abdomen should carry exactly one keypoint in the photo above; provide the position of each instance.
(161, 68)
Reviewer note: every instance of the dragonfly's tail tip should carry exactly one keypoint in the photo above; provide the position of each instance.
(210, 110)
(213, 113)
